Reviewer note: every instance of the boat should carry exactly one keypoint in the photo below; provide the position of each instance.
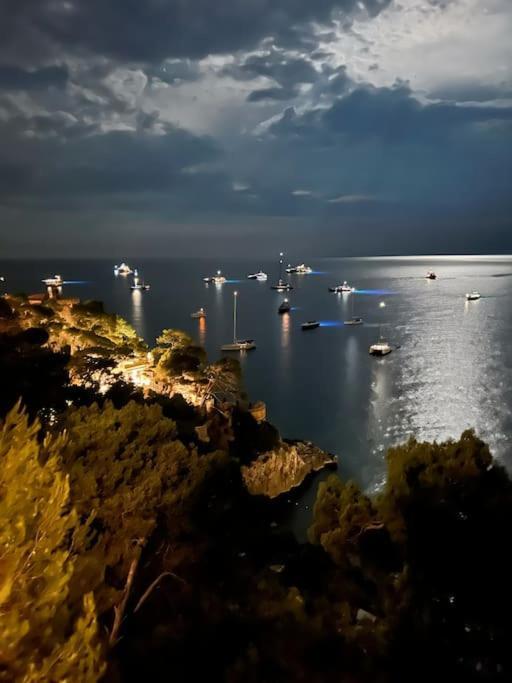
(431, 275)
(281, 285)
(310, 325)
(55, 281)
(353, 320)
(301, 269)
(138, 286)
(345, 288)
(473, 296)
(199, 314)
(217, 279)
(381, 348)
(123, 269)
(285, 307)
(238, 344)
(260, 276)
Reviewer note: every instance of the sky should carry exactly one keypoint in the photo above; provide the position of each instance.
(201, 127)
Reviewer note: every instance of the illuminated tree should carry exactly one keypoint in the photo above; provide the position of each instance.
(44, 634)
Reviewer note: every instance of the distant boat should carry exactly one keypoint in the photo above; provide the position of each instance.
(281, 285)
(473, 296)
(123, 269)
(260, 276)
(138, 286)
(199, 314)
(431, 275)
(238, 344)
(310, 325)
(55, 281)
(381, 348)
(345, 288)
(285, 307)
(217, 279)
(353, 320)
(300, 269)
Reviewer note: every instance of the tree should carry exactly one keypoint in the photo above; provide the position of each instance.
(44, 634)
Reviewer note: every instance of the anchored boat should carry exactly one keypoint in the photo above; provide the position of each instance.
(238, 344)
(310, 325)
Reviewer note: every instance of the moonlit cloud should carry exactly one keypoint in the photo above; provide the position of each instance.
(374, 113)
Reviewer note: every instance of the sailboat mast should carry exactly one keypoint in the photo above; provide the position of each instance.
(234, 316)
(280, 266)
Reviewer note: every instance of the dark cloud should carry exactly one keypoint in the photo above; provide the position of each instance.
(155, 29)
(16, 78)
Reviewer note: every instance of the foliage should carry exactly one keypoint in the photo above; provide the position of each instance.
(44, 635)
(177, 354)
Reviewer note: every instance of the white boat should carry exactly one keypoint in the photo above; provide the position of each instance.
(381, 348)
(260, 276)
(345, 288)
(217, 279)
(301, 269)
(473, 296)
(201, 313)
(431, 275)
(55, 281)
(238, 344)
(123, 269)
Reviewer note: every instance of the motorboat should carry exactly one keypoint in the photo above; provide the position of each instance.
(381, 348)
(217, 279)
(285, 307)
(431, 275)
(282, 286)
(344, 288)
(260, 276)
(301, 269)
(473, 296)
(310, 325)
(237, 344)
(123, 269)
(55, 281)
(138, 285)
(201, 313)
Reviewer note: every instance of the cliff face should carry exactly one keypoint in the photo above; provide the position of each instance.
(284, 468)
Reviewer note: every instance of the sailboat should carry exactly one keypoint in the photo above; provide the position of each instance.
(238, 344)
(138, 286)
(281, 285)
(353, 320)
(382, 347)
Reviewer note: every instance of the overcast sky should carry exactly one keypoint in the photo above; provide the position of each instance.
(236, 126)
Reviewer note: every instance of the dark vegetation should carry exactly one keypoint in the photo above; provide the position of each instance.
(131, 550)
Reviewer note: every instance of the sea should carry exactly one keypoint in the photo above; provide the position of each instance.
(451, 368)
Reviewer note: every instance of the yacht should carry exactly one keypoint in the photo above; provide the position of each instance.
(345, 288)
(473, 296)
(301, 269)
(310, 325)
(431, 275)
(123, 269)
(260, 276)
(55, 281)
(138, 285)
(238, 344)
(199, 314)
(285, 307)
(353, 320)
(217, 279)
(381, 348)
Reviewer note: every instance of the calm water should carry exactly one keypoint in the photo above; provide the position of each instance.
(453, 369)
